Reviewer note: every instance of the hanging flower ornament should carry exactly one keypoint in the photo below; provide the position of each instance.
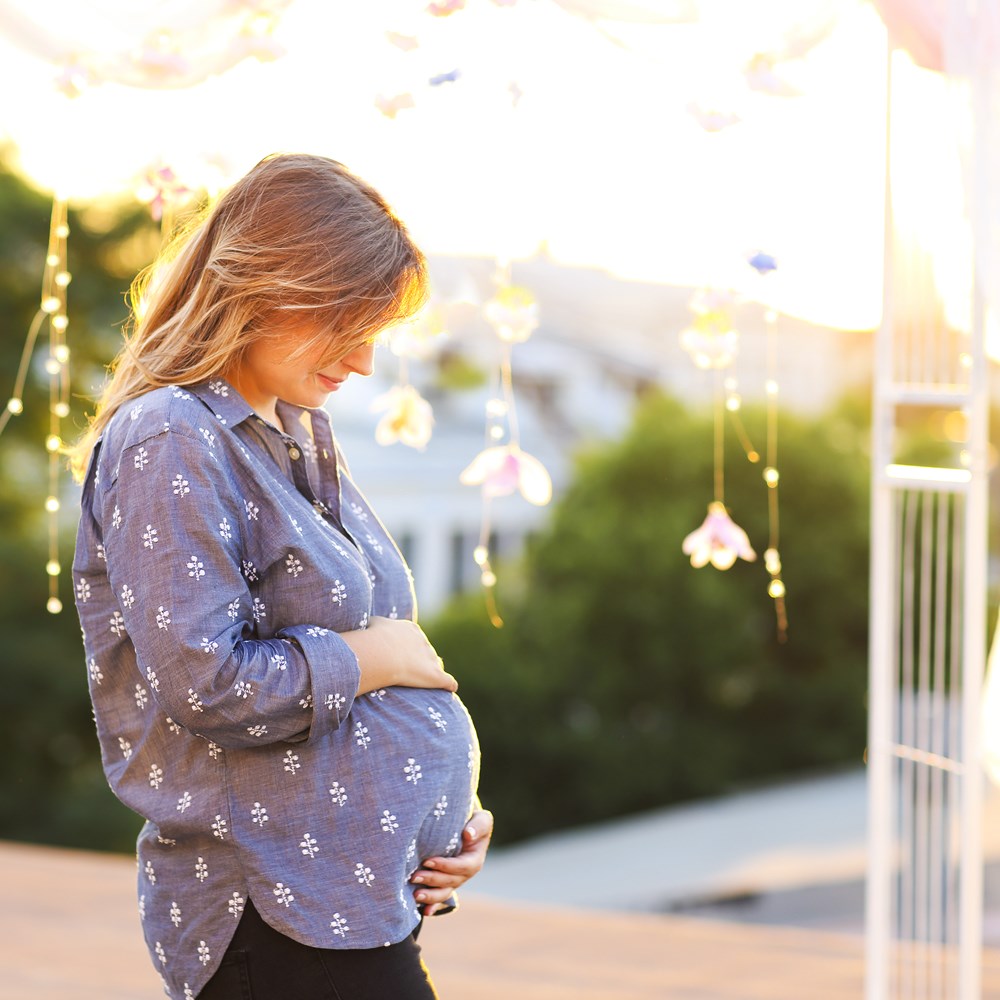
(760, 76)
(711, 340)
(408, 417)
(502, 469)
(712, 119)
(391, 106)
(408, 420)
(719, 540)
(513, 313)
(506, 469)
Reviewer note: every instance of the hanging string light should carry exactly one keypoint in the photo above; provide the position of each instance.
(50, 317)
(501, 469)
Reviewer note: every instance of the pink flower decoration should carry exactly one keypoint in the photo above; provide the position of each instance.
(159, 188)
(718, 541)
(74, 78)
(504, 469)
(442, 8)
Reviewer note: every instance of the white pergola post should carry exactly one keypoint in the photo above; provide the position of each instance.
(927, 648)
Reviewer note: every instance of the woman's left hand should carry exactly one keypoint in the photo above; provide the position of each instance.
(438, 878)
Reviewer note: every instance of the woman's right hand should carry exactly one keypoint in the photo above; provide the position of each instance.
(394, 652)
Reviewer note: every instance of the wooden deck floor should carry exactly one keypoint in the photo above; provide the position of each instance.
(70, 932)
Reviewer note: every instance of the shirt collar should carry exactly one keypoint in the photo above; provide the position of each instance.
(229, 407)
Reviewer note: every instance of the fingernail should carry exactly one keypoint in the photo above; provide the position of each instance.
(417, 878)
(471, 831)
(428, 864)
(421, 896)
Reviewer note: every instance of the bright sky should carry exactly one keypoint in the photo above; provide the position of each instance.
(600, 159)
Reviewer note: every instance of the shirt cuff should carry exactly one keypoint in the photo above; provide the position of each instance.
(333, 671)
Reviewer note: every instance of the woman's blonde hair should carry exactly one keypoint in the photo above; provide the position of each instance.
(299, 237)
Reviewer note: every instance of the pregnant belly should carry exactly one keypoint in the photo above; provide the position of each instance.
(401, 772)
(393, 785)
(413, 758)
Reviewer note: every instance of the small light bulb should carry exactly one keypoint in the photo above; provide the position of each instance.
(489, 579)
(15, 405)
(772, 562)
(53, 442)
(52, 504)
(62, 231)
(53, 606)
(730, 384)
(50, 304)
(776, 589)
(60, 323)
(480, 554)
(733, 403)
(771, 476)
(52, 260)
(52, 567)
(63, 278)
(771, 316)
(61, 409)
(61, 352)
(965, 360)
(52, 366)
(496, 408)
(496, 433)
(771, 387)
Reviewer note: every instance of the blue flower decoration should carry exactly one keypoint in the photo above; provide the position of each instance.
(450, 77)
(762, 263)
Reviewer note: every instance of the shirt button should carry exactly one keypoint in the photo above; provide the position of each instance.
(294, 454)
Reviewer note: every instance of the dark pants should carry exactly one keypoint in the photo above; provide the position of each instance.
(261, 964)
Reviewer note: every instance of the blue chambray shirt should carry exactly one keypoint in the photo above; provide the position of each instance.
(217, 560)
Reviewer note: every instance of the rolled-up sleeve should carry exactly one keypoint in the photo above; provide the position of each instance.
(172, 527)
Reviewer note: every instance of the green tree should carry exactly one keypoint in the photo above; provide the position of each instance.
(624, 679)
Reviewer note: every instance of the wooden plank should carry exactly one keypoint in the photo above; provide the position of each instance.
(70, 929)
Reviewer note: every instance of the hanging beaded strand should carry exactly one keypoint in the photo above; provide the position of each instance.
(772, 558)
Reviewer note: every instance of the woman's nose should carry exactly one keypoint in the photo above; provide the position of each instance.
(361, 359)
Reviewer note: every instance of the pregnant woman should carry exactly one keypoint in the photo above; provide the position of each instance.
(263, 695)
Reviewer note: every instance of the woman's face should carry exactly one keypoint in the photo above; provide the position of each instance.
(271, 370)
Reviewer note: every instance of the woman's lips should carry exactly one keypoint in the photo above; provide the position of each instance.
(329, 383)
